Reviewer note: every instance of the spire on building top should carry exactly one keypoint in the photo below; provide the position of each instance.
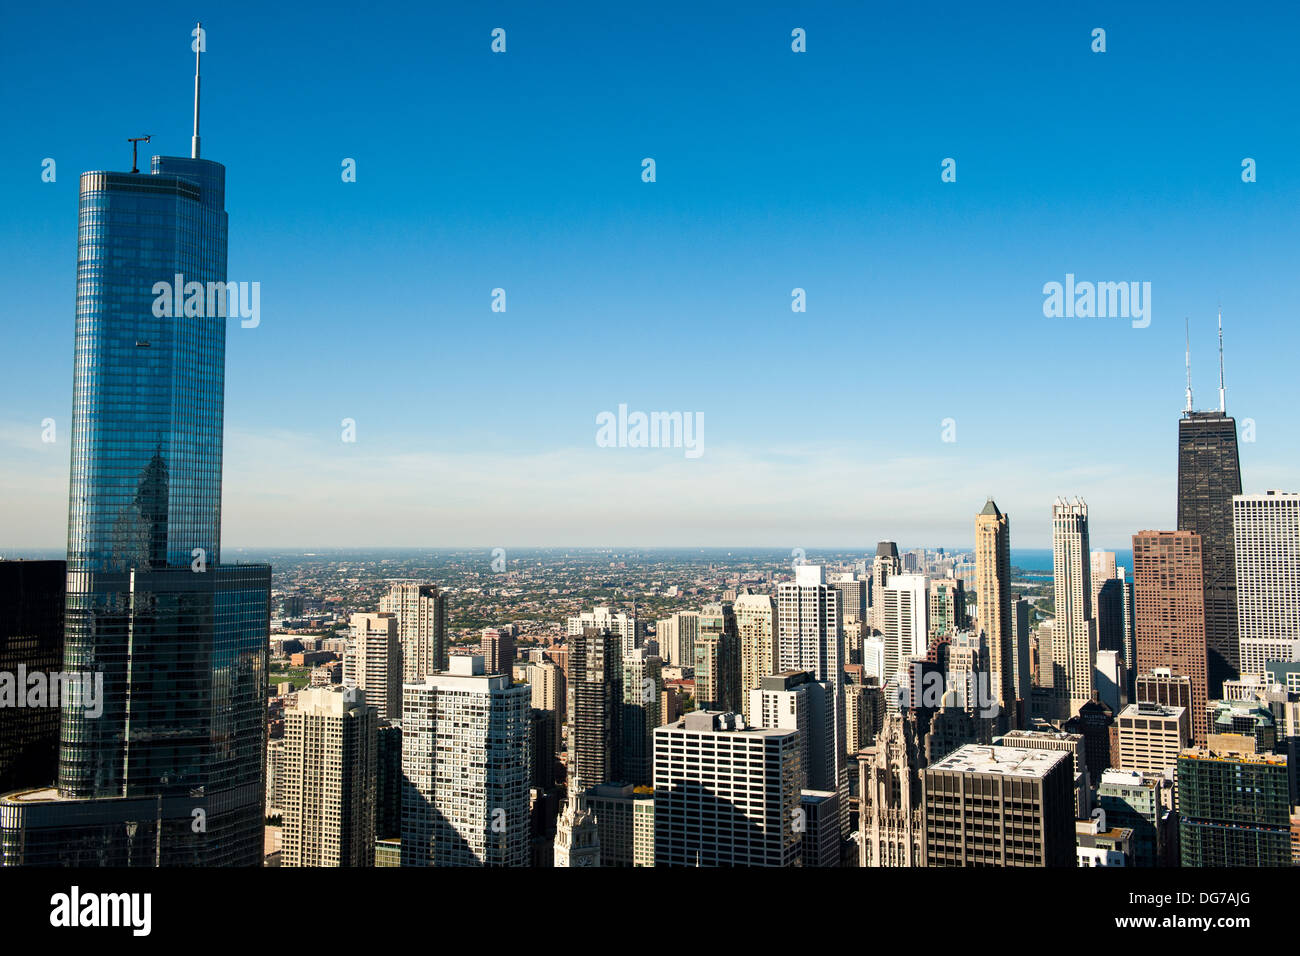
(1222, 404)
(198, 50)
(1187, 338)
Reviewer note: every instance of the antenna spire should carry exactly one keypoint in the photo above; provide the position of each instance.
(1222, 404)
(198, 50)
(1187, 337)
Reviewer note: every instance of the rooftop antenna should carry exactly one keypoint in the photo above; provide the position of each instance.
(134, 141)
(198, 49)
(1187, 337)
(1222, 405)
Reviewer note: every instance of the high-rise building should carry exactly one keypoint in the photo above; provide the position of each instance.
(622, 814)
(819, 824)
(809, 639)
(726, 794)
(1074, 640)
(1169, 606)
(852, 602)
(947, 607)
(1234, 809)
(465, 757)
(498, 648)
(550, 696)
(1266, 549)
(756, 625)
(993, 599)
(31, 642)
(1072, 743)
(883, 565)
(388, 780)
(891, 795)
(717, 659)
(577, 835)
(643, 685)
(179, 639)
(793, 700)
(595, 705)
(1102, 568)
(622, 624)
(1022, 671)
(1134, 800)
(373, 662)
(1000, 806)
(330, 771)
(904, 604)
(421, 611)
(1209, 474)
(1151, 736)
(676, 636)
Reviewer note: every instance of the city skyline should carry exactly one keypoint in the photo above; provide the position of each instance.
(485, 434)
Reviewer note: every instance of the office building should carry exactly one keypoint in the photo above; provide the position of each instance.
(1000, 806)
(725, 794)
(891, 795)
(904, 604)
(1234, 809)
(1074, 641)
(884, 565)
(1209, 474)
(179, 639)
(1169, 605)
(1151, 736)
(625, 823)
(993, 600)
(1266, 550)
(947, 611)
(1133, 800)
(793, 700)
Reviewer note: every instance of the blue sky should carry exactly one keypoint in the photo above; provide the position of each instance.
(775, 170)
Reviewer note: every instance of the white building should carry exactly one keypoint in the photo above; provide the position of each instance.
(1266, 538)
(465, 755)
(624, 625)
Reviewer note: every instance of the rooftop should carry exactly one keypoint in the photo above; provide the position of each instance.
(1007, 761)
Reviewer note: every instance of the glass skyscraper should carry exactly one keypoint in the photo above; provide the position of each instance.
(171, 771)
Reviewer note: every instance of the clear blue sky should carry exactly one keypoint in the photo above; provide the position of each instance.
(775, 170)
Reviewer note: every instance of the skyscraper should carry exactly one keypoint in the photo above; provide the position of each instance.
(1074, 640)
(373, 662)
(1234, 809)
(793, 700)
(1209, 474)
(1000, 806)
(179, 638)
(904, 605)
(883, 565)
(993, 599)
(725, 794)
(421, 611)
(1266, 531)
(595, 698)
(624, 625)
(331, 745)
(756, 625)
(643, 685)
(465, 759)
(809, 639)
(892, 795)
(1169, 618)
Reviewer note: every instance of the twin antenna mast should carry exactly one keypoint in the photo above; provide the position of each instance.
(1223, 406)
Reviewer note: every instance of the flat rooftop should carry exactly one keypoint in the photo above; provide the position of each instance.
(1007, 761)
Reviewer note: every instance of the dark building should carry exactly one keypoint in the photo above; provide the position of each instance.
(171, 772)
(1093, 722)
(1000, 806)
(1234, 809)
(1209, 474)
(595, 699)
(31, 641)
(388, 781)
